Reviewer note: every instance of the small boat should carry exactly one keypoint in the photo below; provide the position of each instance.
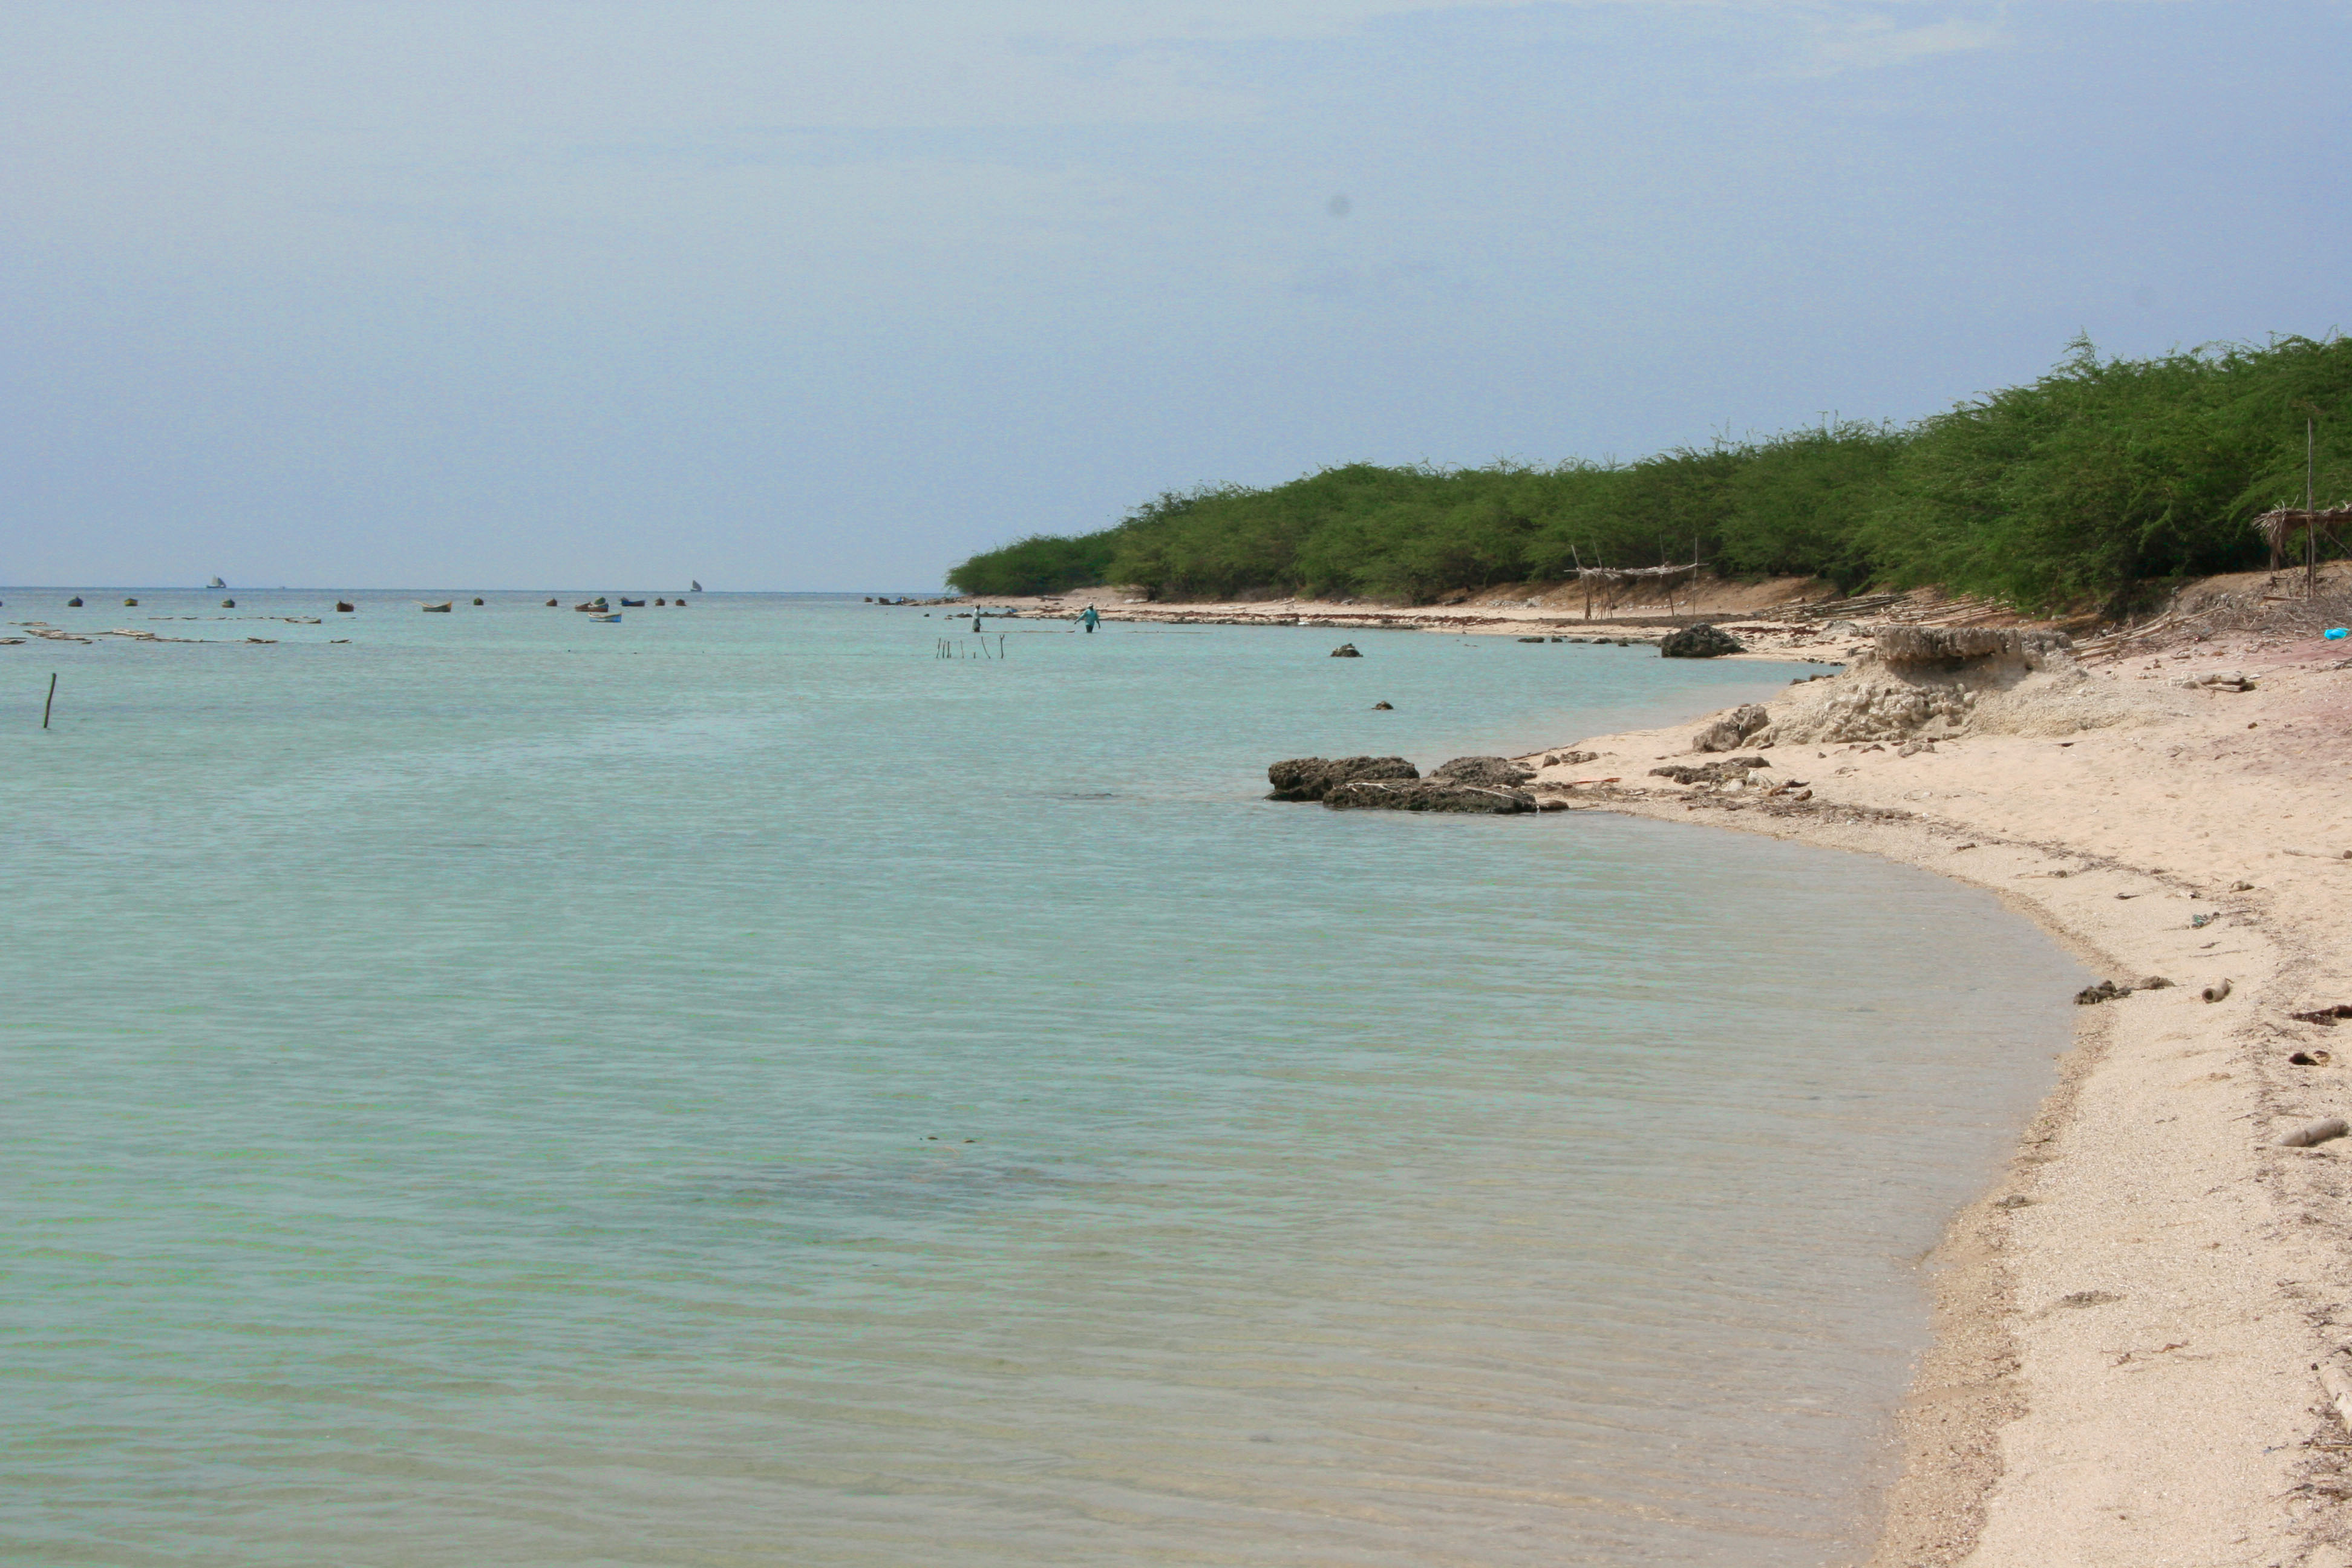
(633, 604)
(342, 607)
(697, 587)
(440, 609)
(215, 582)
(608, 617)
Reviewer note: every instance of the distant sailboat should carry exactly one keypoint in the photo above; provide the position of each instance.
(697, 587)
(215, 582)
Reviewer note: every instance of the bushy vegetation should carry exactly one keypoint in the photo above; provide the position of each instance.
(2101, 478)
(1041, 563)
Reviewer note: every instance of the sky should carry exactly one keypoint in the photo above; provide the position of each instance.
(831, 295)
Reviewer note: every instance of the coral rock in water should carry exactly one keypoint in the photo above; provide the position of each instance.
(1429, 794)
(1701, 641)
(1312, 778)
(1498, 772)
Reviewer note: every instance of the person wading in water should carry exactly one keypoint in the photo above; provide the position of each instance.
(1089, 619)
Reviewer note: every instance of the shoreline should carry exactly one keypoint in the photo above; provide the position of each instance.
(2131, 1326)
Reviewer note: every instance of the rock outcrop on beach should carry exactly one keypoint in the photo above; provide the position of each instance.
(1701, 641)
(1430, 795)
(1312, 778)
(1964, 645)
(1937, 682)
(1496, 773)
(1731, 731)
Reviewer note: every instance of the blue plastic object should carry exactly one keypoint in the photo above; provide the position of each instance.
(2336, 634)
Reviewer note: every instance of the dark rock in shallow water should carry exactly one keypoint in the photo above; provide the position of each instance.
(1496, 773)
(1346, 650)
(1701, 641)
(1312, 778)
(1429, 794)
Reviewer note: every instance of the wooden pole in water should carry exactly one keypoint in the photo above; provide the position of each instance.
(50, 701)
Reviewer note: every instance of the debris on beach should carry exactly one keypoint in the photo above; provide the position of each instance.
(1702, 641)
(2316, 1133)
(1570, 758)
(1734, 770)
(2230, 680)
(2156, 982)
(2217, 992)
(1312, 778)
(2089, 1299)
(2311, 1059)
(2323, 1016)
(2104, 991)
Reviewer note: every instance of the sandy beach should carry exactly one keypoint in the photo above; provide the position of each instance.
(2142, 1329)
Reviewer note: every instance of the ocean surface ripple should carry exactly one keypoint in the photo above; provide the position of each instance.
(734, 1087)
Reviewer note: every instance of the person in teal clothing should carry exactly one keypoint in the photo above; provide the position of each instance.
(1089, 619)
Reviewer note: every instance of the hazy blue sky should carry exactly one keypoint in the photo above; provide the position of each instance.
(829, 295)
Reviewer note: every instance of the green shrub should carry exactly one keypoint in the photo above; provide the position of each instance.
(2101, 478)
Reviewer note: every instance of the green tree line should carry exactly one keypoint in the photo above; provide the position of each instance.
(2103, 476)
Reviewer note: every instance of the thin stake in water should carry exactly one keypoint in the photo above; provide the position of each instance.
(49, 702)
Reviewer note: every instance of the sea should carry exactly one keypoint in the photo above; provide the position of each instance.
(785, 1079)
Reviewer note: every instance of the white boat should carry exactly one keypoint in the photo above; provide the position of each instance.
(613, 616)
(215, 582)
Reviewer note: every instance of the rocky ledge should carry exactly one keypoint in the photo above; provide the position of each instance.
(1484, 786)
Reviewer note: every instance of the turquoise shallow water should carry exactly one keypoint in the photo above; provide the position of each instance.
(732, 1089)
